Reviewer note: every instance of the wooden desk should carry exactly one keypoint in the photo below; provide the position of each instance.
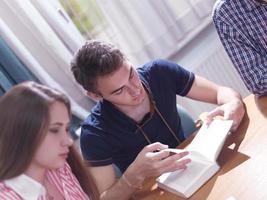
(243, 160)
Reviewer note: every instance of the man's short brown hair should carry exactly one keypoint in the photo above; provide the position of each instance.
(93, 60)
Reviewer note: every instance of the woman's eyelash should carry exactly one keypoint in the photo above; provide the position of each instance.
(54, 130)
(132, 74)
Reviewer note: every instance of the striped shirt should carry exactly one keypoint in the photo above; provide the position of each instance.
(25, 188)
(242, 28)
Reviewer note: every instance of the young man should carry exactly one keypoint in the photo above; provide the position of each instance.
(136, 117)
(242, 28)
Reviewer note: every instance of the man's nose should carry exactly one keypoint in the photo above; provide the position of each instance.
(133, 88)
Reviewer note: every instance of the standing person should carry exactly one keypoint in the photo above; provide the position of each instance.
(242, 28)
(136, 117)
(34, 146)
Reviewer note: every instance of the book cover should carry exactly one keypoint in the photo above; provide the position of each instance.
(203, 152)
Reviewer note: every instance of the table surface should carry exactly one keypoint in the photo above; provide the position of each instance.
(243, 161)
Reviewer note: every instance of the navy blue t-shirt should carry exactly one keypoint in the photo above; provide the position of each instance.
(109, 136)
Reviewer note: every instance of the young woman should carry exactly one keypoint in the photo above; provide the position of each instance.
(37, 156)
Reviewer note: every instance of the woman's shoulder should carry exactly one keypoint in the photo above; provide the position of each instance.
(7, 193)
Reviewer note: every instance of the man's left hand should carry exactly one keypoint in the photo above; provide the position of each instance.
(233, 110)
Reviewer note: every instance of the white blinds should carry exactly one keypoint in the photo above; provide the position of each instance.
(150, 29)
(39, 47)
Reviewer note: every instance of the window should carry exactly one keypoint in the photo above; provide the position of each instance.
(12, 70)
(144, 30)
(87, 17)
(44, 42)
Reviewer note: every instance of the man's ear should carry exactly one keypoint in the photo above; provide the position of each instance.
(94, 96)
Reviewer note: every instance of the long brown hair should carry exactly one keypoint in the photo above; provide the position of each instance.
(24, 120)
(83, 174)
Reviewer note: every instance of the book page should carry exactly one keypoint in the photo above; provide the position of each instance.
(184, 178)
(185, 182)
(210, 139)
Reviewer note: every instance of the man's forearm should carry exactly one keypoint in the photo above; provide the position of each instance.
(226, 95)
(121, 190)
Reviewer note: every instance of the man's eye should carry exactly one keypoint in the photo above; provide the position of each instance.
(119, 92)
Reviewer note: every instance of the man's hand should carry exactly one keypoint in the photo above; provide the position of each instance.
(233, 110)
(229, 101)
(153, 161)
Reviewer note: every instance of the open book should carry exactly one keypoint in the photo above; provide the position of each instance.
(203, 152)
